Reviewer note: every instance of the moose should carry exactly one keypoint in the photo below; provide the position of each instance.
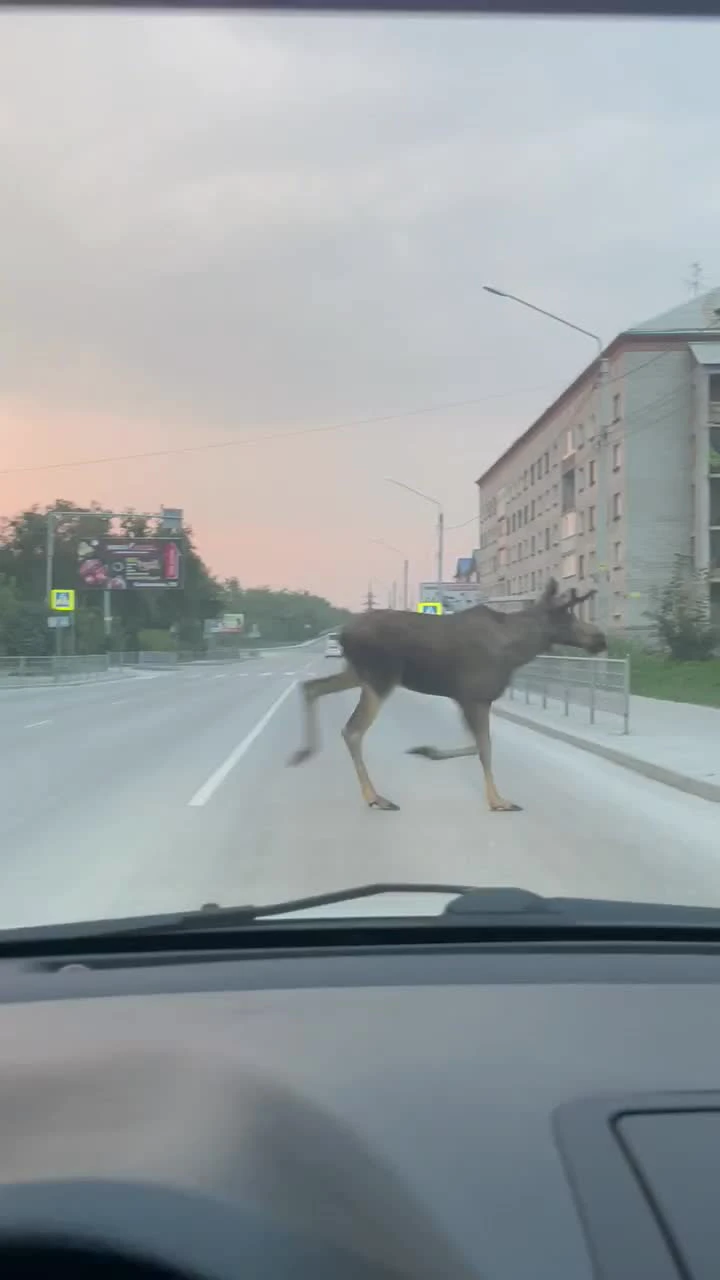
(468, 657)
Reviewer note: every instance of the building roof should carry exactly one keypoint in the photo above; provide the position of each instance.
(699, 315)
(695, 316)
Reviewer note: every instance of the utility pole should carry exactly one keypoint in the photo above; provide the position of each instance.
(406, 583)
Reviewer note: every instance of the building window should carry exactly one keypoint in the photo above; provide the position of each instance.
(592, 472)
(567, 443)
(547, 462)
(568, 566)
(580, 435)
(581, 522)
(581, 567)
(617, 455)
(525, 516)
(547, 538)
(617, 506)
(616, 407)
(532, 545)
(532, 579)
(714, 398)
(591, 519)
(568, 491)
(532, 509)
(617, 554)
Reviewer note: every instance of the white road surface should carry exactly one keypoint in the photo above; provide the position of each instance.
(164, 792)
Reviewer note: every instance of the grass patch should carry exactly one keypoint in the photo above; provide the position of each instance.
(654, 676)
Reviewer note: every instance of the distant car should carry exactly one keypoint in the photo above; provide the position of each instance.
(332, 648)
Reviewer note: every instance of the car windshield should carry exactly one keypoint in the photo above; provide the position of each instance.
(375, 357)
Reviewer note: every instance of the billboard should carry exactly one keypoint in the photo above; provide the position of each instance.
(121, 564)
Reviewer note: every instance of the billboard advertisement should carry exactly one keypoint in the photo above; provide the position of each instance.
(122, 564)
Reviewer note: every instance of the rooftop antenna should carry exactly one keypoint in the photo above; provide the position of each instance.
(695, 280)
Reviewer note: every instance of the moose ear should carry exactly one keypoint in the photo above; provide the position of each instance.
(550, 591)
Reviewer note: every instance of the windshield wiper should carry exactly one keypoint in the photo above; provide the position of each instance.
(491, 908)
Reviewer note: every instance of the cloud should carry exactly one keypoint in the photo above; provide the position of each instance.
(229, 223)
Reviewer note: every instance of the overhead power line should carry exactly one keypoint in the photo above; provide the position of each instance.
(268, 439)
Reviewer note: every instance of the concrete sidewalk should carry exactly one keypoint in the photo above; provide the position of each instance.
(672, 742)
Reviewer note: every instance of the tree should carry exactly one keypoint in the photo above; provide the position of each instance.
(174, 617)
(681, 615)
(281, 617)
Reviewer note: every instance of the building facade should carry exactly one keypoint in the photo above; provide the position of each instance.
(616, 477)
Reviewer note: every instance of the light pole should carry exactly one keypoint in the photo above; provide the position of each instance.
(406, 566)
(601, 442)
(440, 527)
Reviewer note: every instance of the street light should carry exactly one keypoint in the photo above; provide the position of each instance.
(406, 565)
(602, 436)
(440, 527)
(499, 293)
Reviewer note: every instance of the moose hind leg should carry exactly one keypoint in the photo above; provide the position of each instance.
(311, 690)
(357, 726)
(442, 753)
(477, 718)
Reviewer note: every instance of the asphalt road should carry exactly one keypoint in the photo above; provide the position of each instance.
(165, 792)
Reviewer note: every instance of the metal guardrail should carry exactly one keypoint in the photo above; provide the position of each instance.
(598, 684)
(18, 673)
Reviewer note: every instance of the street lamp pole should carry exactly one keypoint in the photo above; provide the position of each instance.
(440, 526)
(379, 542)
(600, 444)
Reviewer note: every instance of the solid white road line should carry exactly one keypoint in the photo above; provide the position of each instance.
(35, 724)
(208, 789)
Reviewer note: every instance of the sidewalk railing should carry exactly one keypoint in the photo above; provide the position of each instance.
(595, 684)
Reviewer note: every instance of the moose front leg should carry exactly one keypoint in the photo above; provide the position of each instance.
(477, 718)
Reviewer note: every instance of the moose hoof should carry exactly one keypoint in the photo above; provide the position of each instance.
(429, 753)
(381, 803)
(299, 757)
(506, 806)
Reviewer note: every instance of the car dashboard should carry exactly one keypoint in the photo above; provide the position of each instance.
(517, 1113)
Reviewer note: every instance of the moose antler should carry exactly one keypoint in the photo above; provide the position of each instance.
(575, 599)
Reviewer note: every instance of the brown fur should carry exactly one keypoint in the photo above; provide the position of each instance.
(468, 656)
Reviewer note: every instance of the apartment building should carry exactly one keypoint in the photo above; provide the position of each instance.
(617, 476)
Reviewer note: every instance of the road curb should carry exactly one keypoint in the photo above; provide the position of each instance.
(680, 781)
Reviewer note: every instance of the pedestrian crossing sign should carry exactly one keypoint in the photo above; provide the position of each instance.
(429, 606)
(62, 601)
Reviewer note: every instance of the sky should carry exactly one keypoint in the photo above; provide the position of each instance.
(242, 259)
